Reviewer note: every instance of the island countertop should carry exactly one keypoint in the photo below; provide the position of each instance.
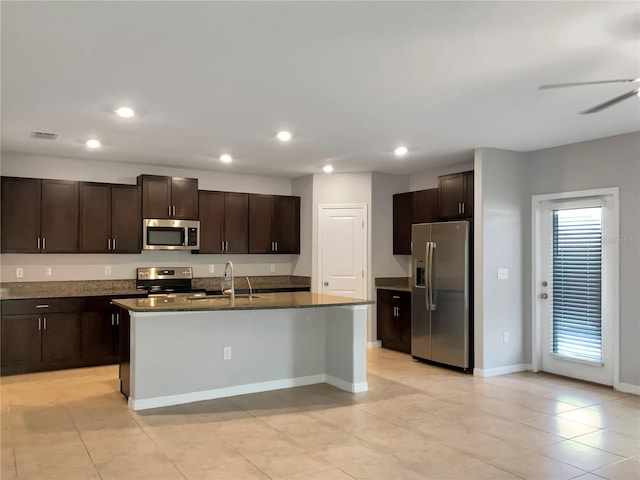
(259, 301)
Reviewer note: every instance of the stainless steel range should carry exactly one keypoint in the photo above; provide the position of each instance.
(166, 281)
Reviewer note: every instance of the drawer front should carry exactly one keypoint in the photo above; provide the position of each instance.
(392, 296)
(41, 305)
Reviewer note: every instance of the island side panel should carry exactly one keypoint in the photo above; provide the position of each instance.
(347, 348)
(177, 357)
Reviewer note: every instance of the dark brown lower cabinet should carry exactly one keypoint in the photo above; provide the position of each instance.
(21, 343)
(100, 335)
(394, 319)
(61, 340)
(56, 333)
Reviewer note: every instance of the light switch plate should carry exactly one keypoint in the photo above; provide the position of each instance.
(107, 269)
(19, 272)
(212, 268)
(48, 271)
(503, 274)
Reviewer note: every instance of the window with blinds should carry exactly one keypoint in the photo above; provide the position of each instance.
(577, 283)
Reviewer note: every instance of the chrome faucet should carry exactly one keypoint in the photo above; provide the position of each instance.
(228, 273)
(250, 289)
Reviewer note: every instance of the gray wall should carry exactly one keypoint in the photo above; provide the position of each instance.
(607, 162)
(501, 212)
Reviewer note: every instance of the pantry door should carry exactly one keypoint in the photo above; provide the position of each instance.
(576, 284)
(342, 250)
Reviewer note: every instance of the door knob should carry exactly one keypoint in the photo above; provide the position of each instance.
(544, 296)
(326, 284)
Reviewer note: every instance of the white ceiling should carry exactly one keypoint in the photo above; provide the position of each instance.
(351, 80)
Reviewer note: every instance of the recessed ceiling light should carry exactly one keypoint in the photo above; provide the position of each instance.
(93, 143)
(327, 168)
(125, 112)
(400, 151)
(284, 136)
(226, 158)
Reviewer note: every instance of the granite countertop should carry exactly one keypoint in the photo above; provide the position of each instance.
(398, 284)
(260, 301)
(100, 288)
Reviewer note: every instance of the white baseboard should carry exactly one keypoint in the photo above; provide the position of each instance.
(376, 344)
(179, 399)
(629, 388)
(349, 387)
(494, 372)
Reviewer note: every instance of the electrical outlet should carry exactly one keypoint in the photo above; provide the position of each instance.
(226, 353)
(19, 272)
(212, 268)
(272, 267)
(107, 269)
(506, 337)
(503, 274)
(48, 271)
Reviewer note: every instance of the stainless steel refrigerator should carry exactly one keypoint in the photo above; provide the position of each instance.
(440, 326)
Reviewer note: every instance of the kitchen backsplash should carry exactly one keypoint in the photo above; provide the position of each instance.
(69, 267)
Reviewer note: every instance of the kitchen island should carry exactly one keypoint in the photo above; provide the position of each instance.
(184, 350)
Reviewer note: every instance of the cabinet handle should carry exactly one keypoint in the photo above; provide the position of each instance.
(117, 319)
(221, 246)
(109, 244)
(44, 323)
(272, 246)
(114, 244)
(43, 305)
(462, 207)
(276, 246)
(396, 296)
(226, 246)
(169, 207)
(173, 210)
(44, 243)
(38, 243)
(112, 320)
(39, 323)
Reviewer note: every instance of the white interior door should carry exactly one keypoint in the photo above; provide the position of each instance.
(342, 251)
(576, 287)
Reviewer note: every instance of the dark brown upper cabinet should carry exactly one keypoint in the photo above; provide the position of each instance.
(410, 208)
(274, 224)
(455, 196)
(39, 215)
(224, 224)
(169, 197)
(110, 218)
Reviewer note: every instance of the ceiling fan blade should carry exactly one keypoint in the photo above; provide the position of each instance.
(611, 102)
(577, 84)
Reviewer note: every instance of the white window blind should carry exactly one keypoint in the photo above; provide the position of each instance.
(577, 283)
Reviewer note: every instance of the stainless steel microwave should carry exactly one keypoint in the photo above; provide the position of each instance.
(161, 234)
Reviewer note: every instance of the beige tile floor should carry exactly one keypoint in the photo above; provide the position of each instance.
(416, 422)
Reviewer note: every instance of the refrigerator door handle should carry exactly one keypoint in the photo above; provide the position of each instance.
(427, 276)
(432, 299)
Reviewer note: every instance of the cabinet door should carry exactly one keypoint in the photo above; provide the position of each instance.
(236, 222)
(59, 223)
(20, 227)
(211, 221)
(95, 217)
(260, 213)
(403, 310)
(184, 198)
(286, 224)
(126, 222)
(468, 194)
(386, 322)
(156, 196)
(403, 216)
(99, 336)
(426, 206)
(451, 196)
(20, 343)
(61, 339)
